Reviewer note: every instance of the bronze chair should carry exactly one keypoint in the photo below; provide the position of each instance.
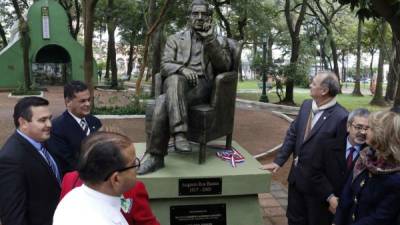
(213, 120)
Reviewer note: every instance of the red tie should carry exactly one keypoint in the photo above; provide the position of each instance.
(349, 160)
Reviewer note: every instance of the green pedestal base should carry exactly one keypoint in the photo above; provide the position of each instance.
(233, 195)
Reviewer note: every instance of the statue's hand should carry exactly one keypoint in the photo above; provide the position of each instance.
(208, 32)
(190, 75)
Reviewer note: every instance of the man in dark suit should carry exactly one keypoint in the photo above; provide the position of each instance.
(319, 118)
(189, 64)
(29, 173)
(72, 126)
(333, 163)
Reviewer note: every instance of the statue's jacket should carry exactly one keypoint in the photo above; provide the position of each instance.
(216, 54)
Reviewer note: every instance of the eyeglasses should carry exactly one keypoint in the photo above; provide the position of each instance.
(136, 164)
(360, 128)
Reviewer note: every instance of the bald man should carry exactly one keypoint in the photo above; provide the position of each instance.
(319, 118)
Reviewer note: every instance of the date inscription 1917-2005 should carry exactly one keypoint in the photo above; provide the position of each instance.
(200, 186)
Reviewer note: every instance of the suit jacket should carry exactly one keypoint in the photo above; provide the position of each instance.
(329, 168)
(330, 125)
(178, 49)
(377, 200)
(66, 138)
(29, 191)
(140, 213)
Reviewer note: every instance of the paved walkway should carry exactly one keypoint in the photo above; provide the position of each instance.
(273, 205)
(255, 129)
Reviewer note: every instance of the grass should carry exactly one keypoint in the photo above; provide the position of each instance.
(248, 84)
(252, 84)
(300, 94)
(346, 100)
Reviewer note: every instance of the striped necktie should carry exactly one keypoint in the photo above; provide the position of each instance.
(84, 127)
(50, 161)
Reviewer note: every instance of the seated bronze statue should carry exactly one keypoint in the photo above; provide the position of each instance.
(194, 62)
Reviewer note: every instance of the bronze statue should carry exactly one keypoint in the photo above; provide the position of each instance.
(190, 62)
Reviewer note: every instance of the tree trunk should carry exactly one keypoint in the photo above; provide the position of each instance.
(334, 54)
(378, 95)
(391, 84)
(130, 59)
(254, 53)
(293, 69)
(146, 46)
(89, 6)
(392, 78)
(112, 53)
(25, 44)
(343, 66)
(294, 30)
(78, 17)
(371, 64)
(396, 104)
(153, 44)
(240, 68)
(111, 45)
(108, 63)
(156, 55)
(323, 54)
(3, 36)
(225, 23)
(357, 87)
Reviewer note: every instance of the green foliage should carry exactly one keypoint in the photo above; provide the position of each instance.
(302, 78)
(101, 65)
(365, 8)
(21, 90)
(134, 107)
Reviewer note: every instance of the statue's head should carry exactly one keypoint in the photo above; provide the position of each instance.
(200, 15)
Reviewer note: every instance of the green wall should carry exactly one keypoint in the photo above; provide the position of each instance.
(11, 64)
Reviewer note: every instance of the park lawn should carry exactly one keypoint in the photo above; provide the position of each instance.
(346, 100)
(248, 84)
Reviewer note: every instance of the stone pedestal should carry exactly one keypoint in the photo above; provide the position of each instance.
(214, 193)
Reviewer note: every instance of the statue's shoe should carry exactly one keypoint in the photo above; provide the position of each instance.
(182, 144)
(151, 164)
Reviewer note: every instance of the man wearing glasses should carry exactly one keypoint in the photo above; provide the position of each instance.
(107, 166)
(333, 164)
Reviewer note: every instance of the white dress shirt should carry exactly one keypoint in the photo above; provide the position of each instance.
(83, 206)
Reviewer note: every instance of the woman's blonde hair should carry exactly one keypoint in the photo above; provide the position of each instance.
(385, 126)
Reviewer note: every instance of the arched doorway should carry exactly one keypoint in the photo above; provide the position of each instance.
(51, 66)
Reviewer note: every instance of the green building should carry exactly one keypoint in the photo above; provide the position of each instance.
(54, 56)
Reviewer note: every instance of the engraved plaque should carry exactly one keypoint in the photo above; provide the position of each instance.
(212, 214)
(200, 186)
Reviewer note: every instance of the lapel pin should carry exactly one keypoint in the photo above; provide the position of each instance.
(324, 117)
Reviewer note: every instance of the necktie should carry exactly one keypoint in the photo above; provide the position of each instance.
(84, 126)
(349, 160)
(309, 124)
(50, 162)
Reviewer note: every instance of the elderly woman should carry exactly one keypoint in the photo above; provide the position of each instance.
(372, 194)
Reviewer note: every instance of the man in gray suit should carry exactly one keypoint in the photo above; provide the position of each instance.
(190, 61)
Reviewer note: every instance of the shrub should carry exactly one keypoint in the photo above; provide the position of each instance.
(21, 90)
(135, 107)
